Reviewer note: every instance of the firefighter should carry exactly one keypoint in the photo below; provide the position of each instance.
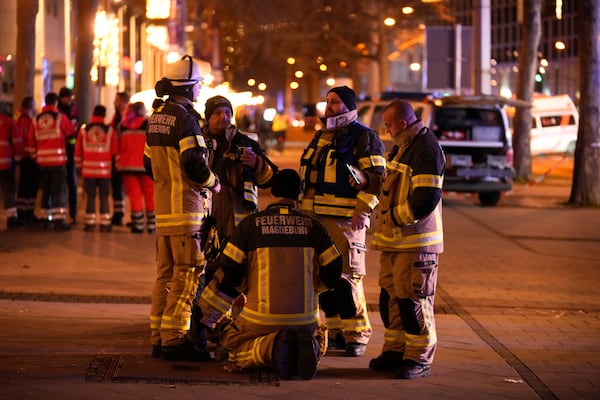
(94, 150)
(240, 164)
(176, 158)
(345, 210)
(410, 236)
(281, 257)
(46, 142)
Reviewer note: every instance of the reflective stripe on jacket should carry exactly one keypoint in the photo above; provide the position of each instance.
(49, 134)
(412, 185)
(176, 157)
(95, 147)
(325, 175)
(279, 256)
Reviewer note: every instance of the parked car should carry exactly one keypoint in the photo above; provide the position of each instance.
(474, 133)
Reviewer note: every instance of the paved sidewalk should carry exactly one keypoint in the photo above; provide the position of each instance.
(518, 311)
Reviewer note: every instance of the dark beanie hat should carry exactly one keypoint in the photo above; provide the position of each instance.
(347, 95)
(65, 91)
(286, 183)
(215, 102)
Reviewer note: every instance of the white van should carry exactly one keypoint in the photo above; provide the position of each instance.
(555, 124)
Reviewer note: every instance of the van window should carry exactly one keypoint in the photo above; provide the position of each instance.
(557, 120)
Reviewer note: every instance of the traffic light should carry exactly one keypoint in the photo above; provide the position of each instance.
(539, 82)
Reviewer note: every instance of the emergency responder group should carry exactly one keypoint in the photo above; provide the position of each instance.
(297, 267)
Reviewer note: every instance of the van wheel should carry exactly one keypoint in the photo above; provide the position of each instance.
(489, 199)
(571, 148)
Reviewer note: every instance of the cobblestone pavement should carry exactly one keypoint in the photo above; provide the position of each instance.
(518, 308)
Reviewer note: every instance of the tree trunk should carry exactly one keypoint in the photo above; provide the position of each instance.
(531, 31)
(585, 189)
(85, 91)
(25, 54)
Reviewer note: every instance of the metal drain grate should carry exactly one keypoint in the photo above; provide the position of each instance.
(143, 369)
(103, 368)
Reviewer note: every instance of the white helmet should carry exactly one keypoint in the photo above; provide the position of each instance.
(183, 72)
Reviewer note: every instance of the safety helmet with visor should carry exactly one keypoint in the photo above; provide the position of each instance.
(183, 72)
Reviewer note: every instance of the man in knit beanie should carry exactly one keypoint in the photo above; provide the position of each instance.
(344, 206)
(347, 95)
(215, 102)
(242, 168)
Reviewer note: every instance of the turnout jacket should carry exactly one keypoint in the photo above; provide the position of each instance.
(176, 158)
(238, 197)
(279, 257)
(409, 217)
(325, 177)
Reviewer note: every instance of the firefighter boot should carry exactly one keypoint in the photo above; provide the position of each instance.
(308, 354)
(387, 361)
(285, 353)
(410, 369)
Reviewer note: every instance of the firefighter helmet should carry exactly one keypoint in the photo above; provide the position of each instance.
(183, 72)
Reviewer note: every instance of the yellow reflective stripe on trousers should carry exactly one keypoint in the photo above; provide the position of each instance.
(178, 323)
(251, 356)
(155, 321)
(394, 336)
(356, 324)
(215, 301)
(179, 219)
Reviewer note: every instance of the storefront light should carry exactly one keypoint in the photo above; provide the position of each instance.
(158, 9)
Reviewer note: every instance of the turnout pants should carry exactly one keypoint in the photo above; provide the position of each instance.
(179, 264)
(251, 345)
(345, 306)
(408, 282)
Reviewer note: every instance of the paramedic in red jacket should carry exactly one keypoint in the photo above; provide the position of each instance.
(47, 138)
(130, 163)
(95, 148)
